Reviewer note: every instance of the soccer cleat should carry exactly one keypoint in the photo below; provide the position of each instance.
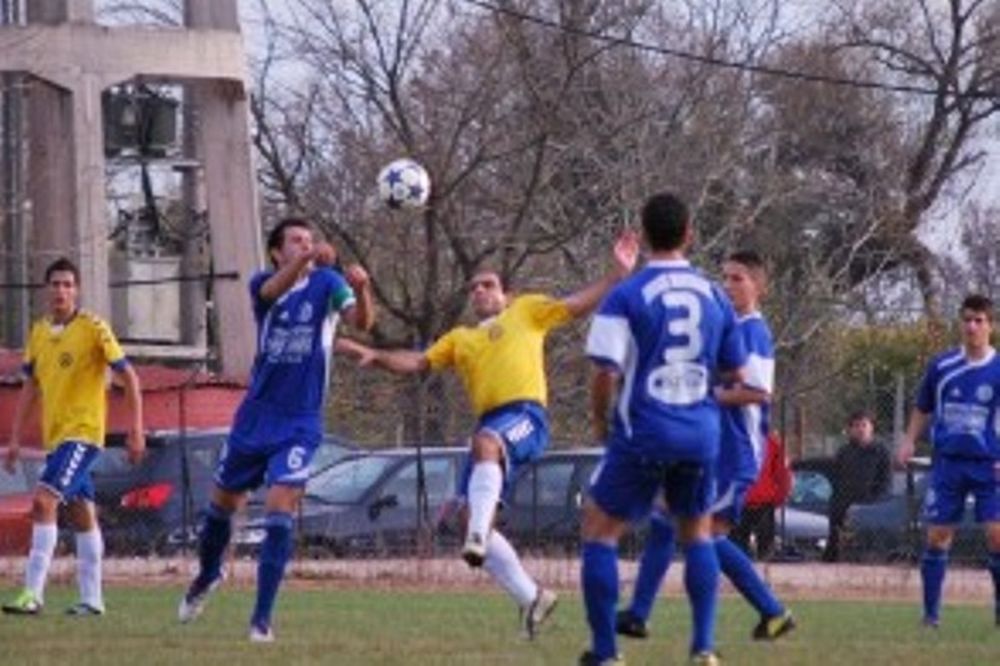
(930, 622)
(629, 625)
(193, 602)
(535, 615)
(261, 634)
(588, 658)
(773, 628)
(25, 603)
(83, 609)
(705, 659)
(474, 550)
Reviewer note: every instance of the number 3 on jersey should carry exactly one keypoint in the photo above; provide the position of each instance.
(681, 380)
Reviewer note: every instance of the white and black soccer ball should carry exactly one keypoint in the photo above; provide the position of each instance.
(404, 183)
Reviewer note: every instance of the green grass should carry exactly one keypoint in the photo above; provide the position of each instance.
(356, 626)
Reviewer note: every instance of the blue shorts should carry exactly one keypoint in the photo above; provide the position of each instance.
(523, 428)
(731, 500)
(625, 485)
(267, 448)
(952, 480)
(67, 471)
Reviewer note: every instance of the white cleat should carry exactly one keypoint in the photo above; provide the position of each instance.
(474, 550)
(193, 602)
(261, 634)
(535, 615)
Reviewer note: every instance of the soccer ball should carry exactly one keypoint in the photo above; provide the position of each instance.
(403, 183)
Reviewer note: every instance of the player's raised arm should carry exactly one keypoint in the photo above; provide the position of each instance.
(624, 255)
(362, 315)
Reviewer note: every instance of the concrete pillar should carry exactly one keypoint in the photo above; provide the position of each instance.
(223, 140)
(53, 12)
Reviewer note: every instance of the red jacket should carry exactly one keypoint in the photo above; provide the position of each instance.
(774, 482)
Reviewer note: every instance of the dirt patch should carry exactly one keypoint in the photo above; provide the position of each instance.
(808, 580)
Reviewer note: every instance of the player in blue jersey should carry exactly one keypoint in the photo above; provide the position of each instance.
(279, 423)
(959, 398)
(745, 427)
(661, 340)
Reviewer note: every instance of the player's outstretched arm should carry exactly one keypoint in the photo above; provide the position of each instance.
(362, 315)
(624, 256)
(26, 400)
(399, 361)
(908, 444)
(136, 432)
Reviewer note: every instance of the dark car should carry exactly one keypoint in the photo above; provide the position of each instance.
(371, 503)
(544, 507)
(16, 492)
(893, 528)
(153, 506)
(156, 506)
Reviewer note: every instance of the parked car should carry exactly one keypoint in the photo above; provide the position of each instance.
(370, 503)
(893, 528)
(16, 491)
(544, 507)
(153, 506)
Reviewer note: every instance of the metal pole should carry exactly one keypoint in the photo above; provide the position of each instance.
(17, 303)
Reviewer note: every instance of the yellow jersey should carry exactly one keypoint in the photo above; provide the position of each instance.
(68, 363)
(502, 359)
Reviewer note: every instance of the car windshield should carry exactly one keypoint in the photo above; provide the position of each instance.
(345, 482)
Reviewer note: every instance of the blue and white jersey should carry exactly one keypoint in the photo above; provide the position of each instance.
(295, 342)
(669, 331)
(745, 428)
(963, 398)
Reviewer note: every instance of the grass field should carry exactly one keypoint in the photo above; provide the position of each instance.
(356, 626)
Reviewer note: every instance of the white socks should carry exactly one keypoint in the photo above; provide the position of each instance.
(485, 484)
(89, 551)
(43, 546)
(505, 566)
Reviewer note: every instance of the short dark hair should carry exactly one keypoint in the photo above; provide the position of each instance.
(861, 415)
(276, 238)
(748, 258)
(62, 265)
(979, 303)
(665, 221)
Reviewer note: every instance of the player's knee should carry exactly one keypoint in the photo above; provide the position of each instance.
(596, 525)
(485, 446)
(939, 537)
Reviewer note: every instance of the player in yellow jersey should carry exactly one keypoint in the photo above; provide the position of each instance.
(65, 365)
(501, 364)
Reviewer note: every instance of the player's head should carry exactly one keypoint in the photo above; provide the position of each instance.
(861, 426)
(744, 276)
(62, 285)
(487, 293)
(977, 322)
(666, 223)
(291, 238)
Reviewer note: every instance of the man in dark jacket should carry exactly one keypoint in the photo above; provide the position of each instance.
(861, 473)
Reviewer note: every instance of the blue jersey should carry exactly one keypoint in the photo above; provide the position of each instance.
(295, 343)
(745, 428)
(963, 399)
(669, 331)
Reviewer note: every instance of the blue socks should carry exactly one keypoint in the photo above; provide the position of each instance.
(701, 579)
(932, 568)
(274, 554)
(599, 579)
(656, 558)
(216, 528)
(739, 569)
